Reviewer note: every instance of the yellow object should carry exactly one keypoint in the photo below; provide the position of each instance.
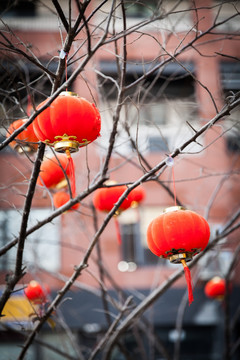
(17, 308)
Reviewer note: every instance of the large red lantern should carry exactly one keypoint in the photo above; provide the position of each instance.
(35, 292)
(60, 198)
(52, 172)
(215, 288)
(178, 235)
(26, 141)
(68, 123)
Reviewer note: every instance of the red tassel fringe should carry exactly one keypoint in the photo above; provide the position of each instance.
(72, 175)
(189, 281)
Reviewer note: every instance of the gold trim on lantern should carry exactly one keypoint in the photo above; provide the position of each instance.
(67, 142)
(177, 258)
(117, 212)
(134, 204)
(110, 182)
(173, 208)
(62, 146)
(68, 93)
(84, 142)
(63, 183)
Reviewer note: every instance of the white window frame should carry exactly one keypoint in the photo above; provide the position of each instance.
(42, 248)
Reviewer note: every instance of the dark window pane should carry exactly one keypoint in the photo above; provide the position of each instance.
(156, 144)
(18, 7)
(132, 246)
(140, 8)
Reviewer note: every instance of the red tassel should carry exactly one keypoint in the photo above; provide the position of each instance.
(71, 174)
(188, 280)
(119, 238)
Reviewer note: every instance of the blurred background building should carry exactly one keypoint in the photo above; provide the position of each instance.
(158, 111)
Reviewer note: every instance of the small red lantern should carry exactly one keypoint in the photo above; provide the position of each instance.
(35, 293)
(61, 198)
(68, 123)
(51, 172)
(178, 235)
(104, 199)
(215, 288)
(26, 141)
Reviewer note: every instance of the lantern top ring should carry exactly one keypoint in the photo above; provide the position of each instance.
(176, 258)
(173, 208)
(68, 93)
(62, 146)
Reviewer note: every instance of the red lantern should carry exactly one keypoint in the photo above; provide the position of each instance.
(68, 123)
(136, 196)
(178, 235)
(26, 141)
(35, 293)
(215, 288)
(105, 198)
(51, 172)
(61, 198)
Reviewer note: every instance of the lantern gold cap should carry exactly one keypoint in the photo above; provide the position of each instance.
(63, 183)
(110, 182)
(177, 258)
(173, 208)
(68, 93)
(216, 279)
(62, 146)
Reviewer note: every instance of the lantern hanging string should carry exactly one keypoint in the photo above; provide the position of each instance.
(71, 173)
(66, 70)
(64, 55)
(170, 163)
(188, 280)
(119, 238)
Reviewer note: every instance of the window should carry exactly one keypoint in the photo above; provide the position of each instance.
(139, 8)
(156, 126)
(216, 261)
(135, 251)
(226, 9)
(18, 7)
(230, 78)
(151, 113)
(41, 248)
(157, 144)
(230, 75)
(29, 15)
(131, 243)
(172, 15)
(157, 114)
(233, 143)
